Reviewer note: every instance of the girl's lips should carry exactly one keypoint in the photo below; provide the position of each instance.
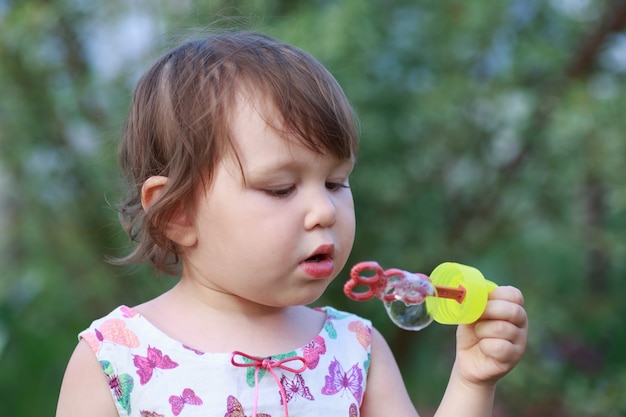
(320, 264)
(319, 269)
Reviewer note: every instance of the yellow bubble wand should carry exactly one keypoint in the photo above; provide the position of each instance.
(453, 294)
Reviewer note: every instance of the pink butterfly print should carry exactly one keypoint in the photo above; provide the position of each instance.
(363, 333)
(313, 350)
(234, 408)
(128, 312)
(188, 397)
(340, 381)
(145, 413)
(197, 352)
(112, 330)
(154, 359)
(295, 387)
(353, 411)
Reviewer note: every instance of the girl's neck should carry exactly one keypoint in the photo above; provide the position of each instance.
(223, 323)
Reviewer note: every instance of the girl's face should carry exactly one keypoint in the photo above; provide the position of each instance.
(277, 224)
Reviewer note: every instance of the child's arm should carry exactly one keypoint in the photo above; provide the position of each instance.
(486, 351)
(385, 394)
(85, 391)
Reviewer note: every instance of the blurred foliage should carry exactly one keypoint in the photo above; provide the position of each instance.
(492, 135)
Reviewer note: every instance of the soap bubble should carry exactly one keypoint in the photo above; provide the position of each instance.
(408, 316)
(408, 310)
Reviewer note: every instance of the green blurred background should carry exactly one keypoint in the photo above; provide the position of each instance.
(493, 134)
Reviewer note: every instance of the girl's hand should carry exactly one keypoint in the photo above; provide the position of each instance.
(488, 349)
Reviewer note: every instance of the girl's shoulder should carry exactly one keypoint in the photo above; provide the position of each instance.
(121, 315)
(123, 327)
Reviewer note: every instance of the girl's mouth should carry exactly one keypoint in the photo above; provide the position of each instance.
(320, 264)
(317, 258)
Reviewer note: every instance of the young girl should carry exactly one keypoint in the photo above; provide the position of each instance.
(238, 151)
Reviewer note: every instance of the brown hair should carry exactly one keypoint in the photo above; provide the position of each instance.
(179, 126)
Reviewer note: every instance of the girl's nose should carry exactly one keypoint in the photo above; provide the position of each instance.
(322, 211)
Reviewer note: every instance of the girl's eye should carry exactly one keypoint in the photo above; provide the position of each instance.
(336, 186)
(280, 192)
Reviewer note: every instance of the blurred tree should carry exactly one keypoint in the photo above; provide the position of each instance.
(491, 135)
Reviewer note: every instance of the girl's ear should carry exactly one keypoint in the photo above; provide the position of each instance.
(179, 228)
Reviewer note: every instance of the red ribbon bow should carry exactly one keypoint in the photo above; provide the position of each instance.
(268, 364)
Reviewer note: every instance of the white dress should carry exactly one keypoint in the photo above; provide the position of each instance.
(152, 375)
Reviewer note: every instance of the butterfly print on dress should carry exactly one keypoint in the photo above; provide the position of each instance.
(234, 408)
(179, 402)
(145, 413)
(339, 381)
(295, 388)
(363, 333)
(197, 352)
(154, 359)
(313, 350)
(121, 385)
(112, 330)
(128, 312)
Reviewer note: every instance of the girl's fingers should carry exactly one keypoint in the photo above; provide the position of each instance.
(500, 329)
(504, 321)
(506, 304)
(507, 293)
(505, 311)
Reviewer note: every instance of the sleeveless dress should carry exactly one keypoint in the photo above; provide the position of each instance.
(152, 375)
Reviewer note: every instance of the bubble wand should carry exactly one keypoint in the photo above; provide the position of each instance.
(453, 294)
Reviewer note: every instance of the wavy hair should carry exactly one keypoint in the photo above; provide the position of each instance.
(179, 124)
